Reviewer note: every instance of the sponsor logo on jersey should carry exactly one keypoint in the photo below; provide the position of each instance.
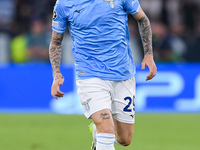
(82, 72)
(87, 107)
(55, 23)
(54, 15)
(111, 3)
(78, 11)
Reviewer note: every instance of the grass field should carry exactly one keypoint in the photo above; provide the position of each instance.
(70, 132)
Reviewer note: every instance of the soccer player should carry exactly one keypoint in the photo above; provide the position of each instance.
(104, 63)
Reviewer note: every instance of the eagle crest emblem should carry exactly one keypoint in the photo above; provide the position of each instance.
(87, 107)
(111, 3)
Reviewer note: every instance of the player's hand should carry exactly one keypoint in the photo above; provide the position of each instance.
(148, 61)
(55, 90)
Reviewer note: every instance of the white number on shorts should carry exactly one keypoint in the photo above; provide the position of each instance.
(127, 109)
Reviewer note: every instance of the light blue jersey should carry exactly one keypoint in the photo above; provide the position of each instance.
(100, 35)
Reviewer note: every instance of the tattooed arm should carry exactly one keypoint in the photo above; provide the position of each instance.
(146, 36)
(55, 52)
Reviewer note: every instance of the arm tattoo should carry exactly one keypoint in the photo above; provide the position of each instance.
(146, 34)
(105, 116)
(55, 52)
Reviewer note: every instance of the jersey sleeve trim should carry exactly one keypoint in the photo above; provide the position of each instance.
(58, 31)
(135, 12)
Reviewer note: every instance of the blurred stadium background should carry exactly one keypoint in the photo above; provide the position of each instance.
(167, 107)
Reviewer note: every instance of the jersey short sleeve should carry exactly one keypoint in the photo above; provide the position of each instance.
(132, 6)
(59, 23)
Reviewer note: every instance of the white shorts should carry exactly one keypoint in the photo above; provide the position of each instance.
(119, 96)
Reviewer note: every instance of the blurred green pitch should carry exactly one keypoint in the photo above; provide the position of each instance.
(70, 132)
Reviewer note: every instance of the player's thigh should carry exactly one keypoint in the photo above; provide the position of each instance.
(94, 95)
(103, 121)
(123, 105)
(123, 132)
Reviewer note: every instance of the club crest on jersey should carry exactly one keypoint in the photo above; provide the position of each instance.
(87, 107)
(111, 3)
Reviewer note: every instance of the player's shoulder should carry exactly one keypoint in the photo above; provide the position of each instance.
(64, 2)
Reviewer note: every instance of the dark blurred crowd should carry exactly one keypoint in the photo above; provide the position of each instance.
(176, 29)
(25, 31)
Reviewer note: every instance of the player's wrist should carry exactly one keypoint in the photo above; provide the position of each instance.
(148, 56)
(149, 53)
(57, 74)
(58, 77)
